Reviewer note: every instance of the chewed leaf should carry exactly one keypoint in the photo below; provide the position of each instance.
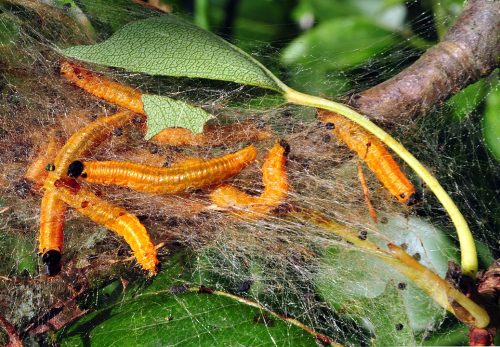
(349, 274)
(170, 46)
(164, 112)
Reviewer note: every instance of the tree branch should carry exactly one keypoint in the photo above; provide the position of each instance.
(469, 51)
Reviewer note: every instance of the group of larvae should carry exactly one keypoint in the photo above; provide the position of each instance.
(60, 170)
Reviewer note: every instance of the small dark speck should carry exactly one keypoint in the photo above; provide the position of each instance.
(169, 318)
(137, 120)
(173, 222)
(404, 246)
(205, 290)
(67, 6)
(363, 235)
(22, 188)
(178, 289)
(142, 217)
(417, 256)
(384, 220)
(323, 340)
(245, 286)
(330, 126)
(263, 319)
(50, 167)
(153, 149)
(327, 138)
(118, 132)
(399, 326)
(91, 257)
(401, 285)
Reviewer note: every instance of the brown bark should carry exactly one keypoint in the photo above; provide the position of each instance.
(469, 51)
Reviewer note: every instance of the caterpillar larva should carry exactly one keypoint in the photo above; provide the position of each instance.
(131, 99)
(275, 182)
(213, 135)
(50, 239)
(52, 211)
(188, 175)
(373, 152)
(113, 92)
(41, 166)
(112, 217)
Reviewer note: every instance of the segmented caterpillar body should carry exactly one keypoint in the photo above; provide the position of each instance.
(69, 192)
(85, 140)
(275, 182)
(373, 152)
(114, 218)
(188, 175)
(212, 135)
(113, 92)
(131, 99)
(52, 215)
(38, 169)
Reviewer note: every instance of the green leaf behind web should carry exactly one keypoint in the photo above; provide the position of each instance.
(491, 122)
(9, 30)
(170, 46)
(164, 112)
(158, 315)
(338, 44)
(379, 297)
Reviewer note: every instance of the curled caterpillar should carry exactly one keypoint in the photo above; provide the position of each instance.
(213, 135)
(275, 182)
(53, 210)
(373, 152)
(113, 92)
(188, 175)
(112, 217)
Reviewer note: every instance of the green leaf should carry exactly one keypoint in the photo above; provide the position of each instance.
(17, 254)
(9, 30)
(170, 46)
(338, 44)
(348, 276)
(467, 100)
(190, 319)
(157, 316)
(389, 13)
(491, 122)
(111, 15)
(164, 113)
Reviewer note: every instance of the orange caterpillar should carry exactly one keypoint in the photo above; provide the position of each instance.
(113, 92)
(40, 167)
(131, 99)
(191, 174)
(112, 217)
(50, 240)
(373, 152)
(53, 210)
(275, 191)
(212, 135)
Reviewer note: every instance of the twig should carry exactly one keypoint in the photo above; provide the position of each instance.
(469, 51)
